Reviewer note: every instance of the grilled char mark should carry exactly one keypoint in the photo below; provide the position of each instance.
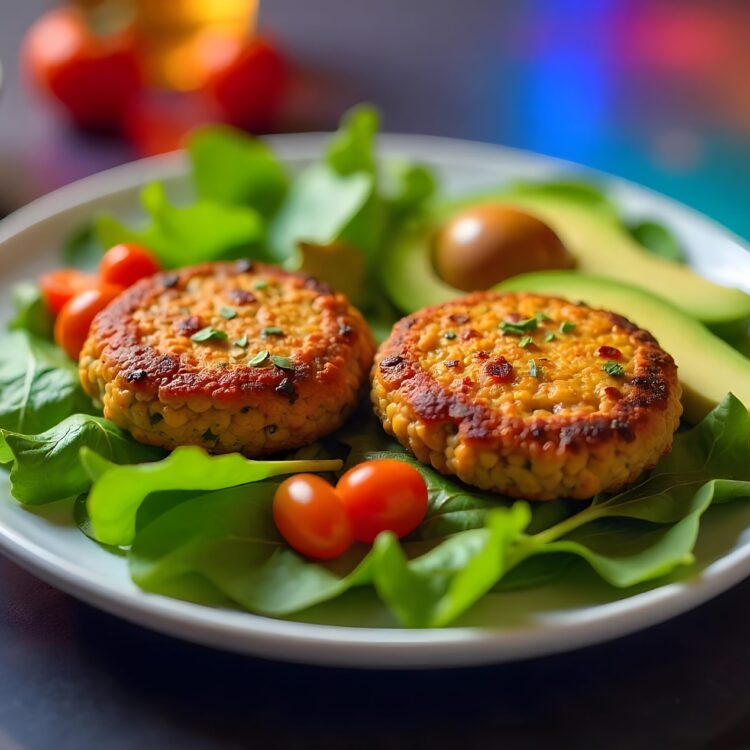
(149, 370)
(654, 375)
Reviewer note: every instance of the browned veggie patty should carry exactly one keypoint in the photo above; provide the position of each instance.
(229, 356)
(528, 395)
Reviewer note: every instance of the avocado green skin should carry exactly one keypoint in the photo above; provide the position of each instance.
(707, 366)
(592, 233)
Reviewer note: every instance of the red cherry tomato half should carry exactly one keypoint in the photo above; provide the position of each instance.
(94, 77)
(248, 82)
(387, 495)
(73, 322)
(311, 518)
(60, 286)
(127, 263)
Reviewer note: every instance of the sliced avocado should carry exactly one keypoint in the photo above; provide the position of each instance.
(708, 367)
(593, 234)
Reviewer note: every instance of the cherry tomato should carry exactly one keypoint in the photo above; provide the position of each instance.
(248, 81)
(94, 77)
(310, 516)
(59, 286)
(73, 322)
(127, 263)
(387, 495)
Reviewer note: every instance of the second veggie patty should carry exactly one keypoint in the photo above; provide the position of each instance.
(528, 395)
(229, 356)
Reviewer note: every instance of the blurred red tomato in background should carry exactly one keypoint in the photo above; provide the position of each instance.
(94, 77)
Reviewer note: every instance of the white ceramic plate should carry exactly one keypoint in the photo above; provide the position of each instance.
(356, 630)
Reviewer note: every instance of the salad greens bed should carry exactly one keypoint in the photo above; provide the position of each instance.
(200, 527)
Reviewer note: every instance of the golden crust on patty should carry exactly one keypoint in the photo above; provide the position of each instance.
(283, 366)
(528, 395)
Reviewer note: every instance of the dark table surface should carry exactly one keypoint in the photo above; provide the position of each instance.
(656, 92)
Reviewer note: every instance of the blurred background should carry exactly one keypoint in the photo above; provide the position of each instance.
(655, 91)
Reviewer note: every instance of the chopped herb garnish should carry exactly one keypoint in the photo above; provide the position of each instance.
(208, 334)
(450, 335)
(542, 317)
(260, 284)
(566, 326)
(525, 342)
(283, 362)
(209, 437)
(271, 331)
(242, 342)
(615, 369)
(549, 336)
(519, 328)
(534, 369)
(155, 418)
(228, 313)
(259, 358)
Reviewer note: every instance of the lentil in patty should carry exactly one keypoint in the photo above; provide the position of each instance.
(528, 395)
(229, 356)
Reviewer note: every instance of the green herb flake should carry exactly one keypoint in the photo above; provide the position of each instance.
(542, 317)
(208, 334)
(261, 285)
(525, 342)
(519, 328)
(549, 336)
(271, 331)
(259, 358)
(450, 335)
(228, 313)
(242, 342)
(534, 370)
(566, 326)
(614, 369)
(283, 362)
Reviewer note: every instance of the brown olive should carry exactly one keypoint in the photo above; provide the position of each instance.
(482, 245)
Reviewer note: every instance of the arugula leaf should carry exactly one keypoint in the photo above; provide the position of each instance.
(321, 205)
(82, 248)
(657, 239)
(202, 231)
(46, 466)
(232, 167)
(39, 385)
(31, 312)
(118, 491)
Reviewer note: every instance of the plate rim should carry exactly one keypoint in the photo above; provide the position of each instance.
(336, 645)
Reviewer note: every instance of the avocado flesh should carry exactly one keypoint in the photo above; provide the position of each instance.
(708, 367)
(597, 241)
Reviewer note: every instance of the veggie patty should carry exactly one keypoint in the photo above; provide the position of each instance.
(528, 395)
(228, 356)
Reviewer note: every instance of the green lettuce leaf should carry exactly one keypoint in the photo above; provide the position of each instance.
(31, 312)
(39, 385)
(234, 168)
(182, 236)
(46, 466)
(228, 538)
(433, 589)
(320, 208)
(82, 248)
(118, 491)
(352, 148)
